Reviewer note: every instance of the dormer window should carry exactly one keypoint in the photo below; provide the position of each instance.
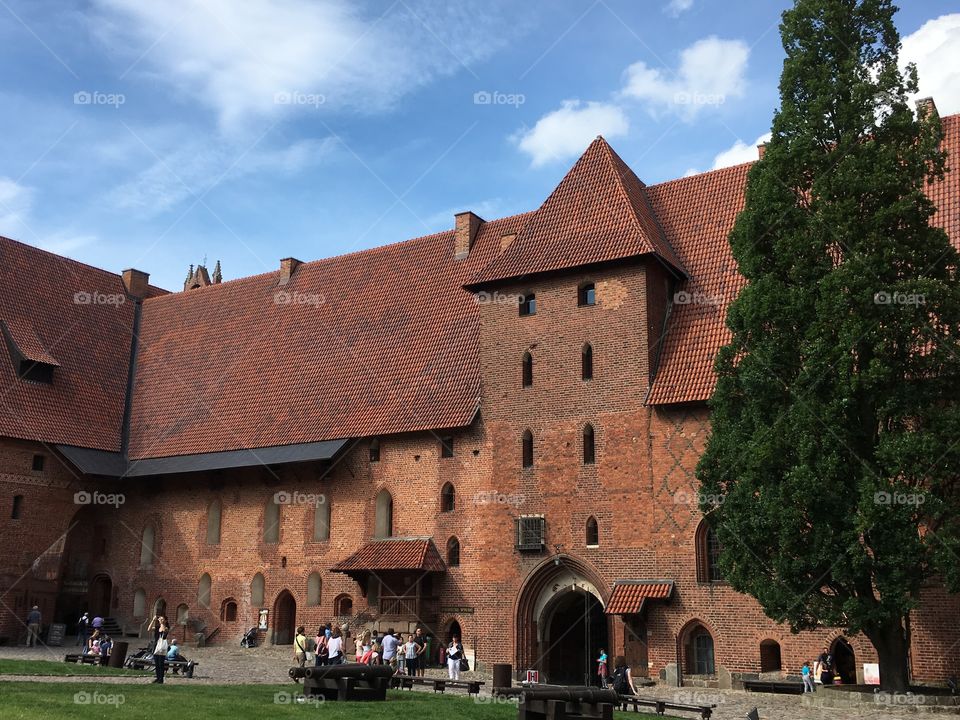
(31, 361)
(528, 304)
(586, 294)
(35, 372)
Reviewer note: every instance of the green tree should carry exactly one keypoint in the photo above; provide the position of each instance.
(835, 444)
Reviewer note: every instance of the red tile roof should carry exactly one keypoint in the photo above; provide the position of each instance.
(598, 212)
(62, 310)
(375, 342)
(697, 215)
(394, 554)
(628, 596)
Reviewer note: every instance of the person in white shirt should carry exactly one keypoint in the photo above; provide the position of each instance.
(335, 647)
(454, 656)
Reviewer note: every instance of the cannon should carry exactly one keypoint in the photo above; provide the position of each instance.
(348, 681)
(562, 702)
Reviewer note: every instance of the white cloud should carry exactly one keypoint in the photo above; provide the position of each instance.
(711, 71)
(253, 58)
(677, 7)
(565, 133)
(935, 48)
(739, 152)
(16, 201)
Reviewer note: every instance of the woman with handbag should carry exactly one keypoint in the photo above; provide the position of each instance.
(160, 646)
(454, 658)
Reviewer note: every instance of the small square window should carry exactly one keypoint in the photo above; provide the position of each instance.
(38, 461)
(528, 305)
(586, 295)
(446, 446)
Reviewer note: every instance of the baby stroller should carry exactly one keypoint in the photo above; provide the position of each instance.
(144, 654)
(249, 639)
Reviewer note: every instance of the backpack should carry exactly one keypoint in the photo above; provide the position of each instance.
(620, 683)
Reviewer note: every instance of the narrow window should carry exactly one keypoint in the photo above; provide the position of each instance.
(446, 446)
(453, 552)
(593, 533)
(321, 520)
(708, 554)
(314, 586)
(527, 370)
(447, 498)
(374, 450)
(148, 551)
(256, 591)
(139, 603)
(38, 462)
(586, 294)
(586, 362)
(228, 610)
(589, 448)
(383, 527)
(271, 520)
(213, 523)
(17, 507)
(527, 449)
(203, 591)
(528, 304)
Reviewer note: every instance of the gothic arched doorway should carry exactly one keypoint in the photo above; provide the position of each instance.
(284, 619)
(101, 592)
(845, 661)
(561, 625)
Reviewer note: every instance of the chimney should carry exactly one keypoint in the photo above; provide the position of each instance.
(135, 281)
(467, 227)
(761, 149)
(287, 267)
(926, 107)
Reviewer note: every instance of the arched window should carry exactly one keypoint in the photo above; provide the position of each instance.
(374, 450)
(314, 586)
(321, 520)
(213, 523)
(383, 526)
(453, 552)
(148, 546)
(770, 656)
(228, 610)
(139, 603)
(586, 362)
(527, 449)
(593, 532)
(17, 507)
(527, 369)
(203, 591)
(448, 499)
(343, 606)
(256, 591)
(183, 614)
(708, 554)
(698, 650)
(271, 520)
(589, 445)
(586, 294)
(528, 304)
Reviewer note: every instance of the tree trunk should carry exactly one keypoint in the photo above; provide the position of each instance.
(890, 641)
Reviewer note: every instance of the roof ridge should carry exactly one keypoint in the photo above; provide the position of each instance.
(58, 256)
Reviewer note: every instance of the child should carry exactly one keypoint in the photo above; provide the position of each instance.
(602, 668)
(808, 686)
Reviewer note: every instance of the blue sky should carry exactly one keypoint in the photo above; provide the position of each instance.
(157, 134)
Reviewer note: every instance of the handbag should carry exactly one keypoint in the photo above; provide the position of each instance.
(162, 647)
(464, 665)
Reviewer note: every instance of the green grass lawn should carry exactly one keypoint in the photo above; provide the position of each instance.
(50, 667)
(30, 700)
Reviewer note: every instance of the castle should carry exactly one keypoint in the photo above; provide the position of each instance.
(490, 431)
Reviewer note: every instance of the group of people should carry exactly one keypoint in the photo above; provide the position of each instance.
(371, 648)
(620, 679)
(824, 670)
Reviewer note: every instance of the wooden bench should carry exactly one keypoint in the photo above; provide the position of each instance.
(79, 659)
(439, 685)
(661, 706)
(176, 667)
(773, 686)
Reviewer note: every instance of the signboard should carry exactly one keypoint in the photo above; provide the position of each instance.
(457, 610)
(871, 674)
(263, 620)
(533, 676)
(55, 634)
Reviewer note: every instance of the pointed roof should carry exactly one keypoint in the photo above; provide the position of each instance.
(598, 212)
(395, 553)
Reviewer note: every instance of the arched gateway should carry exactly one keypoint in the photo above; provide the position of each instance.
(561, 625)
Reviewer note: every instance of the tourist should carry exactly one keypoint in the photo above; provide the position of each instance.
(160, 645)
(825, 663)
(602, 668)
(335, 647)
(83, 629)
(93, 644)
(622, 678)
(805, 672)
(389, 644)
(410, 650)
(106, 646)
(173, 653)
(321, 644)
(300, 647)
(420, 660)
(97, 623)
(33, 627)
(454, 656)
(376, 647)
